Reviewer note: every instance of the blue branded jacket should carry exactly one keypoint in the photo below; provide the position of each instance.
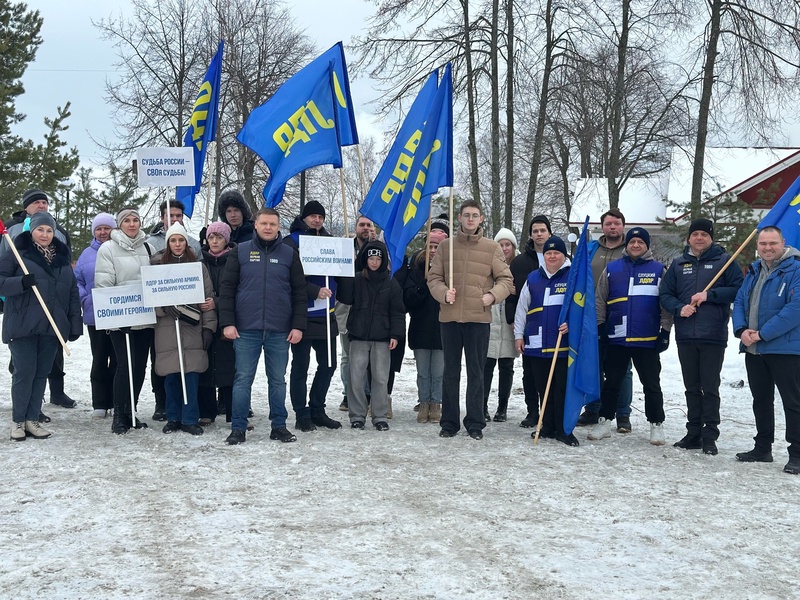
(542, 299)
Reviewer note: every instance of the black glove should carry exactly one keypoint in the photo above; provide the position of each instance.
(74, 337)
(28, 281)
(172, 312)
(208, 337)
(602, 331)
(662, 343)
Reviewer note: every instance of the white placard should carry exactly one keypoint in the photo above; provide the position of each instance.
(165, 167)
(332, 256)
(121, 306)
(169, 285)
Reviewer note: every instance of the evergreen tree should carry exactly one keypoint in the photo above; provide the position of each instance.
(25, 164)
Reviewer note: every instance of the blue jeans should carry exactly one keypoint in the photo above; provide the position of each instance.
(248, 348)
(187, 414)
(430, 369)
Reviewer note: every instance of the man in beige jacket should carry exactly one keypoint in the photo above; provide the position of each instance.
(481, 278)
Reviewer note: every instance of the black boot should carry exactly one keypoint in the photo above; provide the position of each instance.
(57, 395)
(119, 423)
(160, 413)
(502, 408)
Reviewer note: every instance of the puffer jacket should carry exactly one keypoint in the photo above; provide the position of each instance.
(221, 357)
(501, 334)
(84, 274)
(424, 331)
(120, 260)
(23, 315)
(690, 274)
(778, 306)
(479, 267)
(195, 357)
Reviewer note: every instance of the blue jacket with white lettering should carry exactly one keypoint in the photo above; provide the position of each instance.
(541, 320)
(263, 287)
(627, 301)
(688, 275)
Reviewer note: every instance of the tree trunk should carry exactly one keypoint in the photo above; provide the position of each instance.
(497, 202)
(705, 108)
(538, 140)
(616, 120)
(508, 219)
(472, 145)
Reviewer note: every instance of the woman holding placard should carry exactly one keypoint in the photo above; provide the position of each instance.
(119, 262)
(183, 335)
(40, 276)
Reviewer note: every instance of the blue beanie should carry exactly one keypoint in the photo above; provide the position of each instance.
(555, 243)
(638, 232)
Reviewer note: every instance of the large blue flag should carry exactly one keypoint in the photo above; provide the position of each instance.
(786, 215)
(202, 128)
(304, 124)
(424, 163)
(580, 315)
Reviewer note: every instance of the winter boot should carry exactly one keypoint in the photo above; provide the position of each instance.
(390, 414)
(424, 412)
(657, 434)
(36, 431)
(119, 424)
(435, 412)
(755, 455)
(18, 432)
(502, 408)
(57, 395)
(601, 430)
(324, 420)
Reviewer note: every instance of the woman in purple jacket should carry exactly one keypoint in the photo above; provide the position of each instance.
(104, 363)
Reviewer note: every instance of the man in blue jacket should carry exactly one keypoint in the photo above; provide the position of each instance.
(766, 317)
(701, 328)
(262, 305)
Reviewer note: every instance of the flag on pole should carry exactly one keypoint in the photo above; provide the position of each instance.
(419, 163)
(304, 124)
(785, 215)
(202, 128)
(578, 312)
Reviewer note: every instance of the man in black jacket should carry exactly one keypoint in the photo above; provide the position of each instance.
(701, 328)
(262, 305)
(234, 211)
(522, 266)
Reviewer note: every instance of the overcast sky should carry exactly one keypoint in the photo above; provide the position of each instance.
(73, 63)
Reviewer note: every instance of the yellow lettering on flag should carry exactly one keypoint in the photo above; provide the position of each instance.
(579, 299)
(397, 182)
(300, 127)
(337, 89)
(198, 118)
(796, 201)
(419, 184)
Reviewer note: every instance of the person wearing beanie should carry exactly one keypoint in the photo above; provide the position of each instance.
(536, 332)
(633, 326)
(215, 394)
(529, 260)
(234, 211)
(480, 279)
(36, 201)
(424, 336)
(104, 362)
(375, 324)
(181, 367)
(119, 262)
(501, 341)
(602, 251)
(309, 404)
(26, 328)
(701, 328)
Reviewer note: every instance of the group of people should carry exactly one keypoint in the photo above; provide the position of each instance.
(471, 298)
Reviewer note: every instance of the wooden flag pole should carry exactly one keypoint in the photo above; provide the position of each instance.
(547, 388)
(427, 244)
(213, 148)
(731, 259)
(452, 235)
(344, 203)
(361, 171)
(35, 289)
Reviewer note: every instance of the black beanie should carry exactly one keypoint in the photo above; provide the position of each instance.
(701, 225)
(31, 196)
(638, 232)
(555, 243)
(540, 219)
(312, 208)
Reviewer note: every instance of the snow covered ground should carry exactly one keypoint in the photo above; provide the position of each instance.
(401, 514)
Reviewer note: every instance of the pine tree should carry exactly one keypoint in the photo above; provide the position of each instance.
(26, 164)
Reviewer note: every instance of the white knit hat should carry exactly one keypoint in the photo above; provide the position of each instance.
(506, 234)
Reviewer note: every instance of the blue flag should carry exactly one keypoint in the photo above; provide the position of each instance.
(785, 215)
(304, 124)
(580, 315)
(420, 162)
(202, 128)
